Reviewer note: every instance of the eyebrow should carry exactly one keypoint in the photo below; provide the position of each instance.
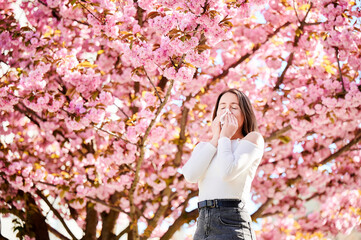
(231, 103)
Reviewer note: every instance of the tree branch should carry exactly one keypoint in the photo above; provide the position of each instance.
(159, 213)
(281, 78)
(308, 11)
(182, 219)
(109, 219)
(294, 7)
(134, 220)
(126, 230)
(34, 220)
(185, 217)
(56, 213)
(339, 69)
(165, 209)
(299, 33)
(315, 23)
(57, 233)
(91, 222)
(278, 133)
(225, 72)
(53, 12)
(261, 209)
(122, 111)
(270, 214)
(177, 161)
(182, 137)
(291, 181)
(114, 208)
(102, 22)
(156, 90)
(26, 113)
(345, 148)
(110, 133)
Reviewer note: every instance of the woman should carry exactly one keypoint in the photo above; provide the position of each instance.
(224, 169)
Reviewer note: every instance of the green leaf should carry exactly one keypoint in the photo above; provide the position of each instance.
(70, 92)
(26, 28)
(95, 95)
(31, 98)
(153, 14)
(299, 32)
(62, 194)
(284, 139)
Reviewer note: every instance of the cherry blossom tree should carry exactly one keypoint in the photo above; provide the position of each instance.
(102, 102)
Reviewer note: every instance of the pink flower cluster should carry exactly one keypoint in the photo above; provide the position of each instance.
(162, 25)
(184, 74)
(34, 81)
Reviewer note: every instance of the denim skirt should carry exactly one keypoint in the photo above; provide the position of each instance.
(224, 223)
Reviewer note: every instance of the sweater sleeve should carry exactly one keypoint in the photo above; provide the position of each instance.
(230, 164)
(199, 161)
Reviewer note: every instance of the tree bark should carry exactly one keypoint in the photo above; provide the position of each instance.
(110, 219)
(34, 220)
(185, 217)
(91, 222)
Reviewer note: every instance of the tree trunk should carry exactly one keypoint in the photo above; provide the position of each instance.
(35, 221)
(91, 222)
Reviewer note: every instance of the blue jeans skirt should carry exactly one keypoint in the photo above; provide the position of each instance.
(224, 223)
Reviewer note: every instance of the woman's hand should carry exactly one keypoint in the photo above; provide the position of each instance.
(230, 126)
(216, 127)
(216, 130)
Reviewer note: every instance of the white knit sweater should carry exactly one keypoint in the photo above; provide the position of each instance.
(224, 172)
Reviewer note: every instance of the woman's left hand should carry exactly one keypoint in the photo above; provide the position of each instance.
(230, 126)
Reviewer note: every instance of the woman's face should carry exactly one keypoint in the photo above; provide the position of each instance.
(230, 101)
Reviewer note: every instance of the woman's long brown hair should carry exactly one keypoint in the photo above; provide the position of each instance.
(250, 121)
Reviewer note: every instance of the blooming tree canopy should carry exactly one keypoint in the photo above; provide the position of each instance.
(102, 102)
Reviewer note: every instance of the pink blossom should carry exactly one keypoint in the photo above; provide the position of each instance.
(150, 99)
(162, 25)
(170, 73)
(106, 98)
(56, 136)
(132, 134)
(146, 4)
(105, 63)
(185, 74)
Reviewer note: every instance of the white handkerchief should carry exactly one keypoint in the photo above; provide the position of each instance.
(223, 116)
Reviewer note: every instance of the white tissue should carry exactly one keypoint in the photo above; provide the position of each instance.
(223, 116)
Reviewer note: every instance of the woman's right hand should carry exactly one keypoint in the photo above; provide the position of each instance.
(216, 130)
(216, 127)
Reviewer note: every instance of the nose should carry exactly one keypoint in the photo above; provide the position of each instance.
(223, 115)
